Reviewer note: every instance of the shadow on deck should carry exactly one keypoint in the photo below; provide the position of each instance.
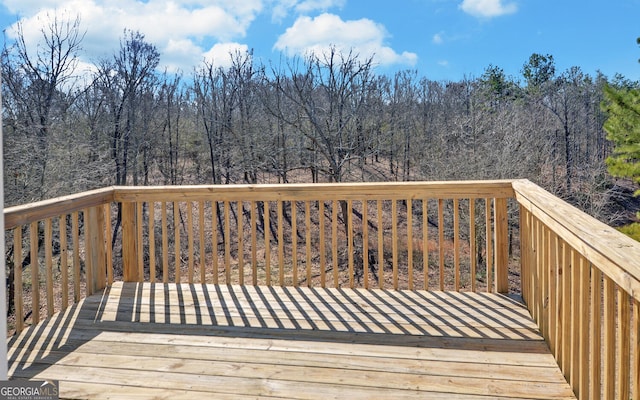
(184, 341)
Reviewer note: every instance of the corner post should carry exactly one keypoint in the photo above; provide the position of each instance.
(96, 249)
(501, 244)
(129, 243)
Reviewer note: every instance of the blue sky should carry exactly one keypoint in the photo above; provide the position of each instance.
(441, 39)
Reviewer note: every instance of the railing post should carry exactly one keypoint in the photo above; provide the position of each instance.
(96, 249)
(129, 243)
(501, 244)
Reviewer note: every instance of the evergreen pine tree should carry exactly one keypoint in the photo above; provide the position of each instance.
(623, 129)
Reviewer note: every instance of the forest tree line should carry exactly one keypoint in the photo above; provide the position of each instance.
(320, 118)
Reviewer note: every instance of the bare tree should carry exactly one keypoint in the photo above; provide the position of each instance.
(328, 93)
(36, 82)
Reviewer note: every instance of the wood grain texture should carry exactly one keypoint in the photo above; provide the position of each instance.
(186, 341)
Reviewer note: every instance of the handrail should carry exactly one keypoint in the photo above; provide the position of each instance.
(318, 191)
(40, 210)
(598, 242)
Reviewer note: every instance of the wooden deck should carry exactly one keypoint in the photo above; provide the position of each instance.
(172, 341)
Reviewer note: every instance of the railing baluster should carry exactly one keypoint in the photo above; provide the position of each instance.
(190, 251)
(441, 240)
(323, 255)
(365, 243)
(624, 345)
(64, 263)
(410, 242)
(567, 269)
(636, 353)
(544, 259)
(240, 229)
(596, 332)
(553, 292)
(76, 255)
(394, 241)
(139, 241)
(456, 244)
(489, 245)
(381, 260)
(583, 311)
(214, 239)
(201, 245)
(35, 274)
(227, 242)
(254, 245)
(177, 247)
(152, 241)
(609, 338)
(473, 260)
(165, 242)
(307, 231)
(334, 242)
(48, 262)
(556, 296)
(575, 321)
(240, 240)
(280, 243)
(425, 244)
(267, 244)
(294, 242)
(349, 236)
(17, 278)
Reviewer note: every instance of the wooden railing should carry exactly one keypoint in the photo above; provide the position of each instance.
(580, 280)
(69, 232)
(367, 234)
(382, 235)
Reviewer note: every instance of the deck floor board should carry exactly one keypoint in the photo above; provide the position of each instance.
(239, 342)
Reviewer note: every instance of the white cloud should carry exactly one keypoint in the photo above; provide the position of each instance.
(487, 8)
(179, 29)
(317, 35)
(220, 55)
(437, 38)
